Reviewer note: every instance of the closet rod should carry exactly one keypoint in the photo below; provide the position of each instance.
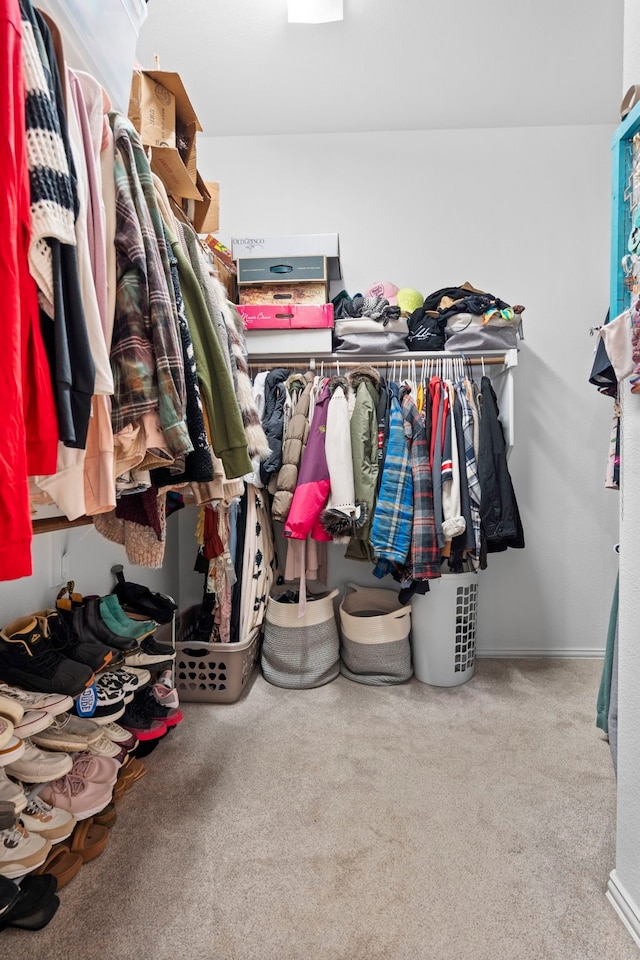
(313, 363)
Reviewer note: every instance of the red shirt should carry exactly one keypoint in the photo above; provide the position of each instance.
(28, 428)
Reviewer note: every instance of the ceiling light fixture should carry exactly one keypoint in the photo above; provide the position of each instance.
(314, 11)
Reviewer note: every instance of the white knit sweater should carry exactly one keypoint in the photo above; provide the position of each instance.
(52, 197)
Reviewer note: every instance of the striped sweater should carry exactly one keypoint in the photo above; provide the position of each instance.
(53, 197)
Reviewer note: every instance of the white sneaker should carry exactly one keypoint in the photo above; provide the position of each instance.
(143, 676)
(13, 751)
(34, 721)
(39, 766)
(149, 652)
(117, 733)
(11, 792)
(10, 709)
(68, 733)
(21, 852)
(46, 821)
(104, 747)
(6, 731)
(110, 689)
(54, 703)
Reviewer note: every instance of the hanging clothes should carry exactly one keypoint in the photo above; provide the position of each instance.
(393, 518)
(425, 554)
(341, 517)
(28, 428)
(313, 485)
(437, 395)
(54, 202)
(453, 524)
(295, 442)
(273, 422)
(469, 416)
(257, 445)
(146, 355)
(258, 568)
(198, 465)
(365, 381)
(499, 512)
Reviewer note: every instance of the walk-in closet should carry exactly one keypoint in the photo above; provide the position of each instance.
(318, 603)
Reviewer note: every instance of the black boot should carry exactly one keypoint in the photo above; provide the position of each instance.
(94, 627)
(73, 645)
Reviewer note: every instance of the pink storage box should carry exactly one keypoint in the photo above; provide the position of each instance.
(312, 316)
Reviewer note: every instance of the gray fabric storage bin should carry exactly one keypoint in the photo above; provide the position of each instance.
(301, 652)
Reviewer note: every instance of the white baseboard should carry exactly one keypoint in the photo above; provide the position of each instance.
(557, 652)
(624, 906)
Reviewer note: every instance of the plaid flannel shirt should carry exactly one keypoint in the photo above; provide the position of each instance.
(425, 553)
(146, 352)
(393, 518)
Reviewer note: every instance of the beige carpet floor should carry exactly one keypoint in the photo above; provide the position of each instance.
(358, 823)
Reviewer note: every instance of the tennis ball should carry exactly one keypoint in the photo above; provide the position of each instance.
(409, 299)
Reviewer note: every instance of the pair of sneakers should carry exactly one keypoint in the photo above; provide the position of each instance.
(114, 690)
(116, 686)
(24, 713)
(87, 788)
(36, 816)
(20, 851)
(147, 719)
(46, 756)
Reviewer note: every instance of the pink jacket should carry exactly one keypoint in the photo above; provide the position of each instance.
(313, 486)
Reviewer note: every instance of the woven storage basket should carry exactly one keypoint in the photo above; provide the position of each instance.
(375, 637)
(301, 652)
(211, 672)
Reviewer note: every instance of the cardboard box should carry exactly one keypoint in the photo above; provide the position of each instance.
(292, 317)
(221, 252)
(283, 293)
(152, 110)
(228, 280)
(206, 216)
(168, 165)
(303, 245)
(225, 267)
(281, 269)
(309, 343)
(177, 172)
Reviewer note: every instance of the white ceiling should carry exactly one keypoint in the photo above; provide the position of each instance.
(391, 64)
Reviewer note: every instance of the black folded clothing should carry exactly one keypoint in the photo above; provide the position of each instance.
(140, 599)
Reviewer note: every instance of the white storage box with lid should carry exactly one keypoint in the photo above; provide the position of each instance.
(288, 342)
(444, 624)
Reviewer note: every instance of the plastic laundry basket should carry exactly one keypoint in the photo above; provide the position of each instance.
(444, 625)
(211, 672)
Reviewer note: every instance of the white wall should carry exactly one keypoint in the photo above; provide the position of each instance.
(88, 561)
(625, 879)
(523, 213)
